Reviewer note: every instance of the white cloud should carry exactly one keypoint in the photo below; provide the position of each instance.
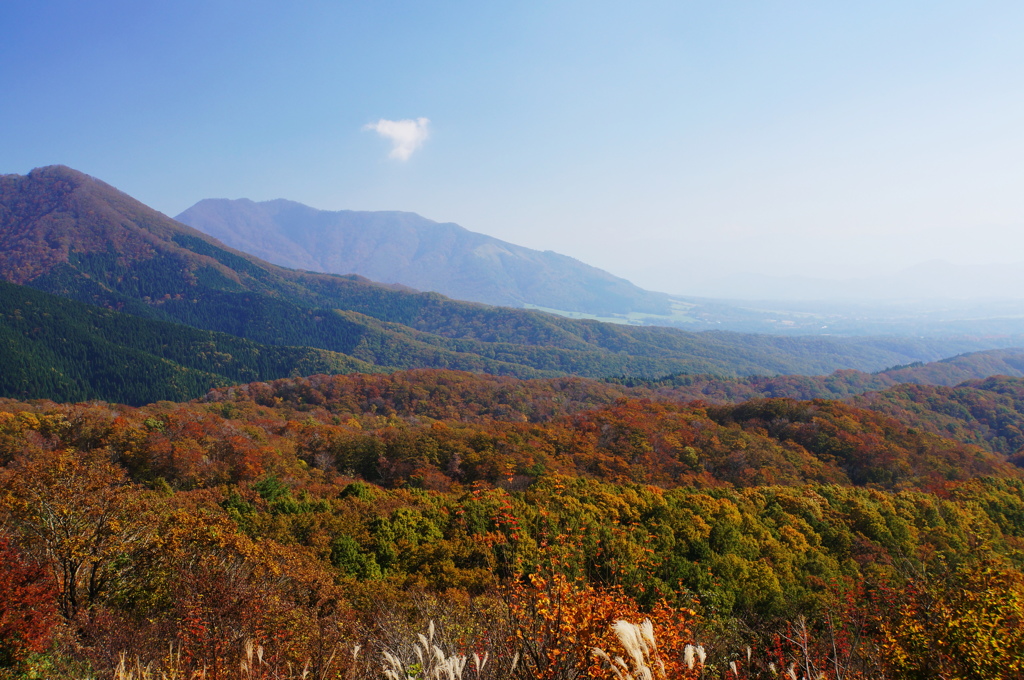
(406, 135)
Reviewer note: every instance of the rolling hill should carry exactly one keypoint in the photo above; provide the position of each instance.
(841, 384)
(65, 350)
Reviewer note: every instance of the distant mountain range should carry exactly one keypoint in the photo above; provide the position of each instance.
(70, 235)
(404, 248)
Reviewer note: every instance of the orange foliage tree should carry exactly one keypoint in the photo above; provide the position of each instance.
(557, 623)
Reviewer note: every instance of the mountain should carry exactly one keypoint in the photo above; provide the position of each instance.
(69, 234)
(936, 299)
(404, 248)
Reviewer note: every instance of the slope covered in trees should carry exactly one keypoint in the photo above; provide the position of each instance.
(69, 234)
(267, 528)
(444, 428)
(989, 412)
(307, 515)
(60, 349)
(64, 350)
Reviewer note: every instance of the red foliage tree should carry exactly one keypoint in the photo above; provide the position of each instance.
(28, 609)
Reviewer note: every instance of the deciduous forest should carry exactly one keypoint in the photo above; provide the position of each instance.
(435, 524)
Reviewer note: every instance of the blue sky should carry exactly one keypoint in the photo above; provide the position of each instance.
(679, 144)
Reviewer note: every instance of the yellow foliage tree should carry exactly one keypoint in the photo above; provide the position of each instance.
(970, 625)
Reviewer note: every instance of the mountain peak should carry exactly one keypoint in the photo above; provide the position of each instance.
(56, 215)
(60, 172)
(92, 243)
(62, 177)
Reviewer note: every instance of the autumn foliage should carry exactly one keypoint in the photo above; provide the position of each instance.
(27, 605)
(967, 623)
(307, 517)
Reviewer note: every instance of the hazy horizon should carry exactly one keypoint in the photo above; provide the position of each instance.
(692, 149)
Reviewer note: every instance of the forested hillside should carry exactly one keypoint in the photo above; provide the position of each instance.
(987, 412)
(64, 350)
(513, 519)
(317, 525)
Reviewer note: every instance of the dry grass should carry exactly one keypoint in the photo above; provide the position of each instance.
(644, 659)
(438, 653)
(432, 662)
